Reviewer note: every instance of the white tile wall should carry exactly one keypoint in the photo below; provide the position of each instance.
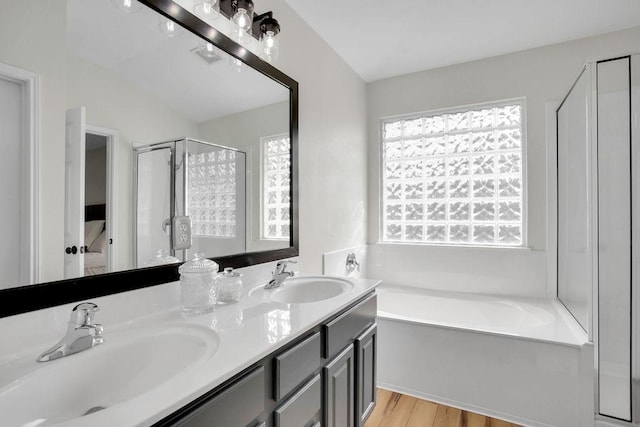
(335, 263)
(517, 272)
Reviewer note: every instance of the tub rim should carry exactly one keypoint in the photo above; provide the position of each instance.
(578, 334)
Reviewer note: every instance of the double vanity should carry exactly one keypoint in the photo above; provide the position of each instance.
(302, 354)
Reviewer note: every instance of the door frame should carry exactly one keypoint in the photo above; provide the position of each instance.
(30, 163)
(112, 137)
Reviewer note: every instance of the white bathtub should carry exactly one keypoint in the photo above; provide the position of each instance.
(523, 360)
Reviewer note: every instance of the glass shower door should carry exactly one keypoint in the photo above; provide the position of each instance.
(614, 238)
(153, 203)
(575, 251)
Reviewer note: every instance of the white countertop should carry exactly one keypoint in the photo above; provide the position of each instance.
(245, 333)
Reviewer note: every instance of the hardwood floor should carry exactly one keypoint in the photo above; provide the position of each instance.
(399, 410)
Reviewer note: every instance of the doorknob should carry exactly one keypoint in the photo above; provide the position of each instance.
(71, 250)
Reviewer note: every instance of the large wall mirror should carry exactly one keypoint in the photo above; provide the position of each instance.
(142, 121)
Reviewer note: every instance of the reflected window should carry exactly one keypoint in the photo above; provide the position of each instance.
(212, 193)
(455, 176)
(278, 325)
(276, 181)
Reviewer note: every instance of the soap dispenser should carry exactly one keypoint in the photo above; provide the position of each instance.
(198, 285)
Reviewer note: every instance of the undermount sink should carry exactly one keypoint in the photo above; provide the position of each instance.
(128, 364)
(307, 289)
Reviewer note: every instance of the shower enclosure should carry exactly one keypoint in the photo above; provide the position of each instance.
(598, 215)
(192, 180)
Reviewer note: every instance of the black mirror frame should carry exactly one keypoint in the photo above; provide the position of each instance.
(27, 298)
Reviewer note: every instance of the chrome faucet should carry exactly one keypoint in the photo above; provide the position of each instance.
(280, 274)
(82, 333)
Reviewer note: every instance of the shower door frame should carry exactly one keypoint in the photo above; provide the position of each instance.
(635, 206)
(592, 131)
(171, 145)
(634, 304)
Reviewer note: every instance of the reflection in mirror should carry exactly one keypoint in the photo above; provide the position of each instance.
(190, 198)
(128, 81)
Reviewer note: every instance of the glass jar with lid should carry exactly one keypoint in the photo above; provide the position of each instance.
(198, 285)
(229, 287)
(162, 257)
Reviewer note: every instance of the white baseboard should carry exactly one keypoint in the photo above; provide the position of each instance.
(464, 406)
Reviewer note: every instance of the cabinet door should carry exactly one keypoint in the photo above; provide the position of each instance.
(236, 406)
(366, 345)
(339, 389)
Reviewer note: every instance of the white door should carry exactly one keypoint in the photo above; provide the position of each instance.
(11, 253)
(74, 193)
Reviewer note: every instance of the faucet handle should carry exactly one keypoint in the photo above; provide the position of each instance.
(281, 266)
(82, 314)
(98, 330)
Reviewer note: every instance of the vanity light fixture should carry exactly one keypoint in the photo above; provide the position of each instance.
(207, 10)
(126, 6)
(269, 42)
(263, 27)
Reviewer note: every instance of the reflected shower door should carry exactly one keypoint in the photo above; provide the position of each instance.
(153, 203)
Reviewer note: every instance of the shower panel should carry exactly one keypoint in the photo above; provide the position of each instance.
(195, 179)
(598, 196)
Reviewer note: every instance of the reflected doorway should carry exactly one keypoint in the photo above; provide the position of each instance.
(89, 196)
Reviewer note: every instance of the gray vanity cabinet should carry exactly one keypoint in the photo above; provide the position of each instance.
(339, 396)
(326, 378)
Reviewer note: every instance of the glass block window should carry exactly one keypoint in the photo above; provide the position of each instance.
(211, 184)
(276, 187)
(455, 177)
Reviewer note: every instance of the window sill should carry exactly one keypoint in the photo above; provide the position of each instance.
(450, 246)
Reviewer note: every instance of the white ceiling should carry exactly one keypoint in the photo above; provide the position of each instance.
(380, 39)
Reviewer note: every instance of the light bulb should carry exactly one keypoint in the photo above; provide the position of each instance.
(169, 28)
(236, 64)
(242, 19)
(126, 6)
(208, 51)
(240, 36)
(207, 10)
(270, 46)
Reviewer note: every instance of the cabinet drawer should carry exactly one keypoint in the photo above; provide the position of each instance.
(303, 408)
(236, 406)
(295, 365)
(341, 330)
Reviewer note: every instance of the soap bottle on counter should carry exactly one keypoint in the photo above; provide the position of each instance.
(229, 286)
(198, 285)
